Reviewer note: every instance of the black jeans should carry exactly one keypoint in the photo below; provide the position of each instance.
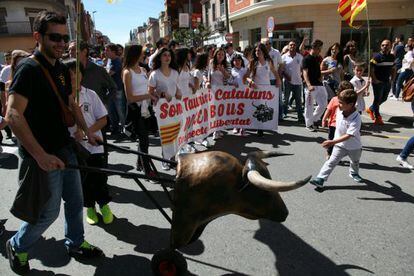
(381, 91)
(95, 187)
(138, 127)
(331, 136)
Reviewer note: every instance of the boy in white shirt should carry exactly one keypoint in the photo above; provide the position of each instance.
(95, 187)
(360, 87)
(347, 140)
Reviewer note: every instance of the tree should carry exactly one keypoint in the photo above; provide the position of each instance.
(193, 37)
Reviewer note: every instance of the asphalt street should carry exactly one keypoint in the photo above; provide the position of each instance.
(345, 229)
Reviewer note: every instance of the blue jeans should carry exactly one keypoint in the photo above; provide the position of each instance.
(297, 95)
(117, 110)
(381, 91)
(273, 82)
(403, 76)
(409, 147)
(64, 184)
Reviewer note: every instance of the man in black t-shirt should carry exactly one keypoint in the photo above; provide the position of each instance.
(314, 90)
(382, 74)
(35, 116)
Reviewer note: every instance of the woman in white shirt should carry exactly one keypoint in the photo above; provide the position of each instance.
(238, 71)
(219, 74)
(407, 70)
(135, 81)
(185, 81)
(258, 73)
(163, 80)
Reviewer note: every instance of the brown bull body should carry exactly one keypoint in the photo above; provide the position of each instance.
(213, 184)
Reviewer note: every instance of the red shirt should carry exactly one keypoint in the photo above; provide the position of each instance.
(333, 107)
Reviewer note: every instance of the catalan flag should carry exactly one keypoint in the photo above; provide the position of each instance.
(349, 9)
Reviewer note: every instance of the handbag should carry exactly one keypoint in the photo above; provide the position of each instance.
(67, 115)
(408, 90)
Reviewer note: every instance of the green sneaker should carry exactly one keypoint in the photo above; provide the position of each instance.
(85, 250)
(19, 262)
(91, 216)
(317, 181)
(107, 215)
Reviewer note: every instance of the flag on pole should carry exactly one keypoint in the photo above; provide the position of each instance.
(349, 9)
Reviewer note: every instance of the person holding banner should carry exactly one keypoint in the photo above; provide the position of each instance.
(199, 78)
(219, 74)
(135, 81)
(185, 82)
(238, 71)
(258, 73)
(163, 81)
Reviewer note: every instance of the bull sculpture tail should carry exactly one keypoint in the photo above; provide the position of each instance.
(272, 185)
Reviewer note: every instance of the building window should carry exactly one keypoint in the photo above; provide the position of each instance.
(31, 14)
(3, 24)
(222, 11)
(255, 36)
(206, 8)
(213, 11)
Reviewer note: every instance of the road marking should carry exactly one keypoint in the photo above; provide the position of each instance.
(391, 136)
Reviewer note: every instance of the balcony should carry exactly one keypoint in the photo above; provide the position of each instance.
(15, 28)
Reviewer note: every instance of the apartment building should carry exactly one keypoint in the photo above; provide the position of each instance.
(17, 16)
(319, 19)
(214, 16)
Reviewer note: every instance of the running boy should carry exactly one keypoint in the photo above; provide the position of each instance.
(347, 139)
(329, 118)
(95, 187)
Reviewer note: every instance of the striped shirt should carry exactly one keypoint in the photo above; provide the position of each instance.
(383, 64)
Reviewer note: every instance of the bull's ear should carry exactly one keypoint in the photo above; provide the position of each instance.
(274, 186)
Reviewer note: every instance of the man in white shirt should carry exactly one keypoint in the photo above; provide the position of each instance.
(292, 62)
(230, 53)
(277, 62)
(161, 43)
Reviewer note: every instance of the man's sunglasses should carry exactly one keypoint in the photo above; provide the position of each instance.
(58, 37)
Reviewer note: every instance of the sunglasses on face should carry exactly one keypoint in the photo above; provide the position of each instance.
(55, 37)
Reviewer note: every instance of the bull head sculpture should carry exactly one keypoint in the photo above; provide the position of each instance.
(213, 184)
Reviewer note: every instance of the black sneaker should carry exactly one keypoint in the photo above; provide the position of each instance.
(19, 262)
(86, 251)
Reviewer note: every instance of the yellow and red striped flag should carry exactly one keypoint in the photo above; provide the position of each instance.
(349, 9)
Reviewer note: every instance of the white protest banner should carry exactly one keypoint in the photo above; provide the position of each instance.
(196, 116)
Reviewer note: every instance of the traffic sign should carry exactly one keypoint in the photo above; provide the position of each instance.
(229, 37)
(270, 25)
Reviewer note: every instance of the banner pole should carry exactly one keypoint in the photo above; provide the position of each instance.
(369, 39)
(78, 31)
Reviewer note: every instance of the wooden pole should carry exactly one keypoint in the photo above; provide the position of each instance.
(78, 36)
(369, 39)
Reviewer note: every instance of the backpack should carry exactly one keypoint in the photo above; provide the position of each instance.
(408, 90)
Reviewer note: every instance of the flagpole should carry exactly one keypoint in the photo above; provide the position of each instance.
(78, 30)
(369, 40)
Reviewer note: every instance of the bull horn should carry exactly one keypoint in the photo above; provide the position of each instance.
(274, 186)
(254, 105)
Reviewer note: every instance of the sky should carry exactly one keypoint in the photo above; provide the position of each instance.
(117, 19)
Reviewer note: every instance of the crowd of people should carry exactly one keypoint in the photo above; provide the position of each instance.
(118, 88)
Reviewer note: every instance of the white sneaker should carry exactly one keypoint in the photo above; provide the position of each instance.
(404, 163)
(216, 135)
(235, 130)
(165, 166)
(205, 143)
(392, 97)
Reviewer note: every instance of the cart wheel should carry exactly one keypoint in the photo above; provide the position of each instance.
(168, 262)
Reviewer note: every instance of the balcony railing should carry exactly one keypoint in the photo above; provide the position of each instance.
(15, 28)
